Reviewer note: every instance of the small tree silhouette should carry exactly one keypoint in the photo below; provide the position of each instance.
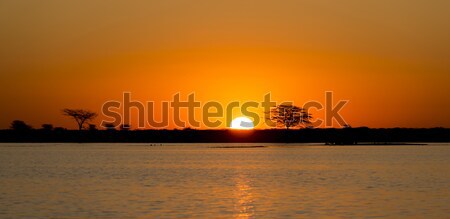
(287, 115)
(92, 127)
(80, 116)
(19, 125)
(110, 126)
(47, 127)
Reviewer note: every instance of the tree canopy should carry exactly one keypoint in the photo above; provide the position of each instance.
(80, 116)
(19, 125)
(289, 116)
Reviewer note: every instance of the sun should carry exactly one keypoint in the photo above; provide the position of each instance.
(242, 123)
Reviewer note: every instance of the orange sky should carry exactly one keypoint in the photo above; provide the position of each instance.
(389, 58)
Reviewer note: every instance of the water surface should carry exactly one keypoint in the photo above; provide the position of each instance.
(211, 181)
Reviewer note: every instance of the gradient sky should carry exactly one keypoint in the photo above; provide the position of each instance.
(391, 59)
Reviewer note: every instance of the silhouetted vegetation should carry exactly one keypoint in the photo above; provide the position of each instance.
(346, 136)
(47, 127)
(19, 125)
(80, 116)
(92, 127)
(289, 116)
(110, 126)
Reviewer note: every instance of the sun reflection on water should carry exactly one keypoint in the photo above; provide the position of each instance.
(244, 205)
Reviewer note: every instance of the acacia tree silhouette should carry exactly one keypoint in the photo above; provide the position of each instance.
(80, 116)
(287, 115)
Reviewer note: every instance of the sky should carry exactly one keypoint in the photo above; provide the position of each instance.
(390, 59)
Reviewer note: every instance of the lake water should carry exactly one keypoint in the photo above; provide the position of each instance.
(208, 181)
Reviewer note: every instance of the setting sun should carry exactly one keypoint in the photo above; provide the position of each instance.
(242, 123)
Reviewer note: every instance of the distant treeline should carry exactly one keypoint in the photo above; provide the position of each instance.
(329, 136)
